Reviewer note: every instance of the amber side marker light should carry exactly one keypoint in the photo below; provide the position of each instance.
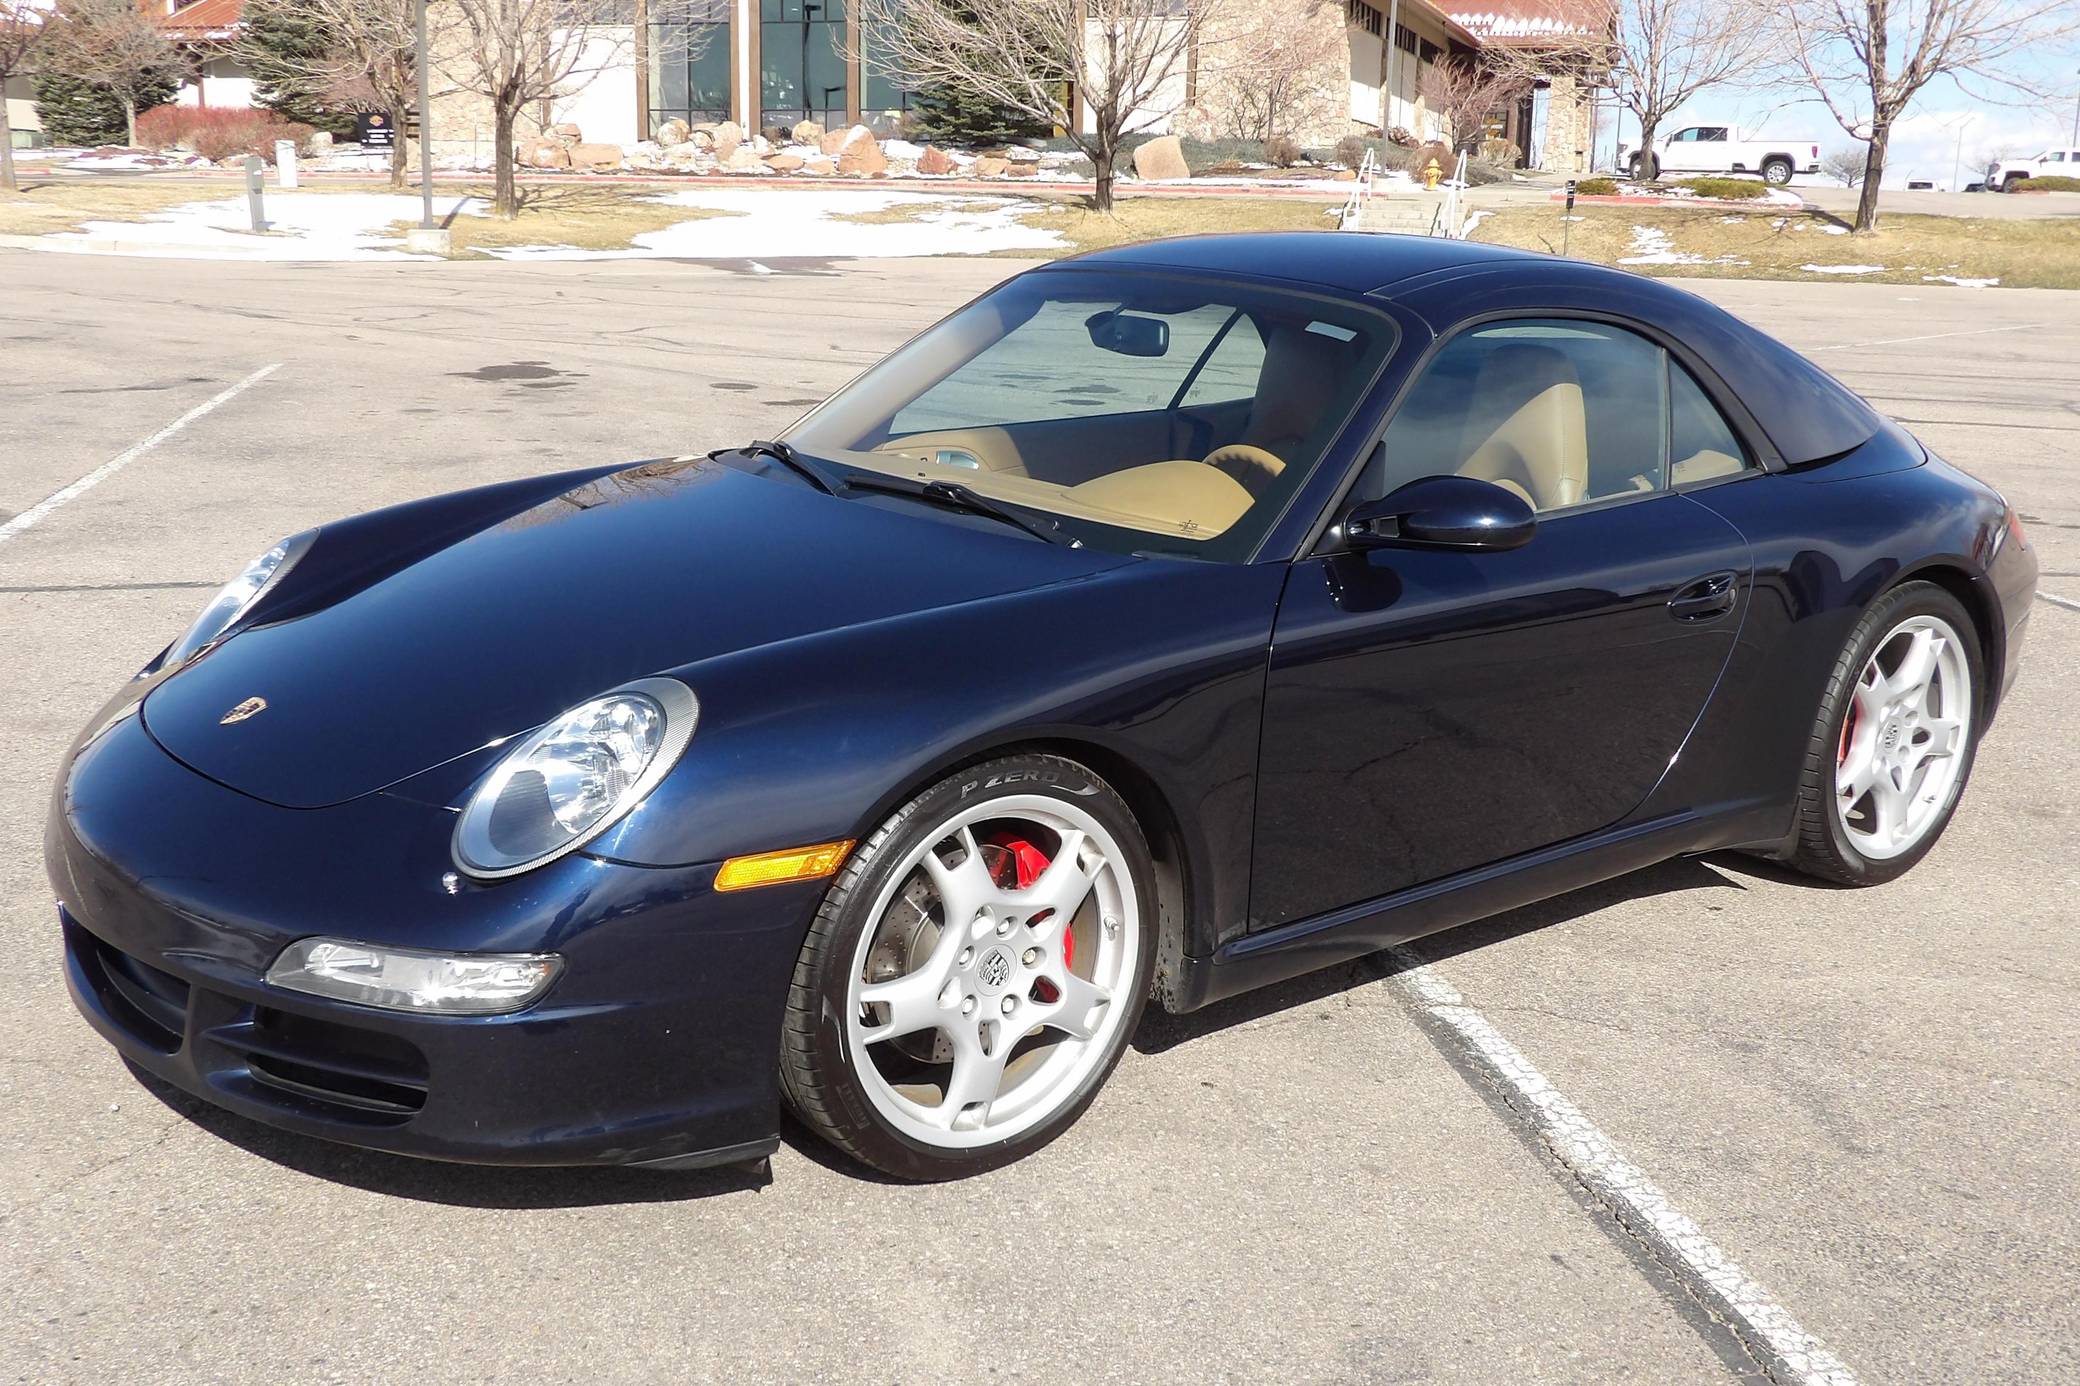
(776, 868)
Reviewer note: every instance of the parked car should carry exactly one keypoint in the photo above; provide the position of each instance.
(1725, 149)
(1165, 623)
(2009, 174)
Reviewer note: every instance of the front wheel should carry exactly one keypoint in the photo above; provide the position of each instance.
(975, 972)
(1645, 168)
(1894, 740)
(1776, 172)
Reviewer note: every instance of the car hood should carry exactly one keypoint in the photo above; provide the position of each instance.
(637, 572)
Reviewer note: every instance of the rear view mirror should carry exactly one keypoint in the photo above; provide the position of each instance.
(1443, 512)
(1128, 334)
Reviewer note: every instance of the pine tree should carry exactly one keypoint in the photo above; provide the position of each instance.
(962, 118)
(75, 111)
(277, 42)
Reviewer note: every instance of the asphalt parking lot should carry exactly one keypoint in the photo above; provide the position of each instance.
(1866, 1099)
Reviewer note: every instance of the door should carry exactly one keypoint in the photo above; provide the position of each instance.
(1431, 711)
(802, 64)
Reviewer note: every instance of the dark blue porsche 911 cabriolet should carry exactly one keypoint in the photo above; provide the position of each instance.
(1164, 623)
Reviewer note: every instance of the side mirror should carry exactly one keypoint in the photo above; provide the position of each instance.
(1128, 334)
(1443, 512)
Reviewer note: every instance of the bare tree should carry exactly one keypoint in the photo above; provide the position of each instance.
(1292, 48)
(1866, 60)
(112, 44)
(21, 30)
(1125, 61)
(367, 61)
(1845, 163)
(1465, 94)
(1656, 55)
(518, 54)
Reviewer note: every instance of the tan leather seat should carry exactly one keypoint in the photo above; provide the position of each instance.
(1189, 496)
(1297, 383)
(1541, 449)
(1704, 464)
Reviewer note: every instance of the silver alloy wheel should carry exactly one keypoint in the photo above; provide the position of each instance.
(1904, 737)
(1002, 1001)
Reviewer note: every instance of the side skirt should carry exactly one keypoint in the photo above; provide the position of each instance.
(1306, 945)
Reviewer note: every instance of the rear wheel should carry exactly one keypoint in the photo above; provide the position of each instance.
(975, 972)
(1894, 741)
(1776, 172)
(1645, 168)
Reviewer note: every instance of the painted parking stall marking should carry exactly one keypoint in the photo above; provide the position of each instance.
(1790, 1354)
(130, 454)
(2067, 602)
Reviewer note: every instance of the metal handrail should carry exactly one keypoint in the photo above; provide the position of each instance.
(1354, 206)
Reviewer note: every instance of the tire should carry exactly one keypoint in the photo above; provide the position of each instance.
(2013, 181)
(889, 1006)
(1776, 172)
(1844, 835)
(1645, 168)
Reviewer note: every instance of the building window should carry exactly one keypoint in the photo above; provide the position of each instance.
(803, 74)
(1404, 38)
(1365, 17)
(689, 65)
(882, 100)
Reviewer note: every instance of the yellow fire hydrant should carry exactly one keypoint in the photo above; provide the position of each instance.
(1433, 173)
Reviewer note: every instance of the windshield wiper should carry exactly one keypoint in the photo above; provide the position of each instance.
(962, 498)
(786, 456)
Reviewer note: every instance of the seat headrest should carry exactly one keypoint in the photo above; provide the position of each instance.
(1298, 382)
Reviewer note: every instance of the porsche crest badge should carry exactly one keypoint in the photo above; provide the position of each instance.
(251, 707)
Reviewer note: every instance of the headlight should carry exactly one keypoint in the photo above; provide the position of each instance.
(575, 778)
(405, 979)
(233, 599)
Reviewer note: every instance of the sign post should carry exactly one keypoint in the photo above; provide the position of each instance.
(1567, 221)
(254, 183)
(428, 237)
(285, 161)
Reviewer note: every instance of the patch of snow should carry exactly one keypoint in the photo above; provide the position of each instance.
(1843, 269)
(902, 149)
(1960, 282)
(132, 161)
(802, 225)
(1653, 246)
(301, 226)
(1475, 220)
(1831, 229)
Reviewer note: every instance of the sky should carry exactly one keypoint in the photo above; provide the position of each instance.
(1924, 142)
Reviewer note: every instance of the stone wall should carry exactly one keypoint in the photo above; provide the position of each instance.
(1568, 125)
(1290, 55)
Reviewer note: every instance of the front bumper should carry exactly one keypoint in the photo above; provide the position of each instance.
(657, 1045)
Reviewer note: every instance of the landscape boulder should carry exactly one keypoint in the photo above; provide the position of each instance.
(862, 159)
(742, 160)
(567, 134)
(820, 165)
(806, 132)
(673, 132)
(597, 157)
(934, 160)
(1161, 158)
(785, 163)
(989, 166)
(545, 154)
(728, 133)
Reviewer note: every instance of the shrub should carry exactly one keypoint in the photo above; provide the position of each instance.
(1597, 187)
(1350, 151)
(1730, 189)
(1404, 138)
(218, 132)
(1282, 151)
(2054, 184)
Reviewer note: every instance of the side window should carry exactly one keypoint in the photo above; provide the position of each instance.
(2058, 156)
(1713, 132)
(1232, 371)
(1685, 136)
(1559, 411)
(1701, 444)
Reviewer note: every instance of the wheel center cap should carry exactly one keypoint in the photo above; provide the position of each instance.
(1890, 737)
(994, 970)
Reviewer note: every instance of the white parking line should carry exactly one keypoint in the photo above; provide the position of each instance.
(1708, 1273)
(128, 455)
(2067, 602)
(1928, 337)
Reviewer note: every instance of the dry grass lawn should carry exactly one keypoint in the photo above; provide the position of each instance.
(45, 205)
(1771, 243)
(579, 215)
(1151, 218)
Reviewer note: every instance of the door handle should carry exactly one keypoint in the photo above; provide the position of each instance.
(1706, 599)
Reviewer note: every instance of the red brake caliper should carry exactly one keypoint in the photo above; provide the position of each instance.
(1841, 754)
(1024, 863)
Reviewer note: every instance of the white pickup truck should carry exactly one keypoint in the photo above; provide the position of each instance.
(2006, 175)
(1724, 149)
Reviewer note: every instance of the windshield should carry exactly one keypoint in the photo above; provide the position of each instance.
(1149, 413)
